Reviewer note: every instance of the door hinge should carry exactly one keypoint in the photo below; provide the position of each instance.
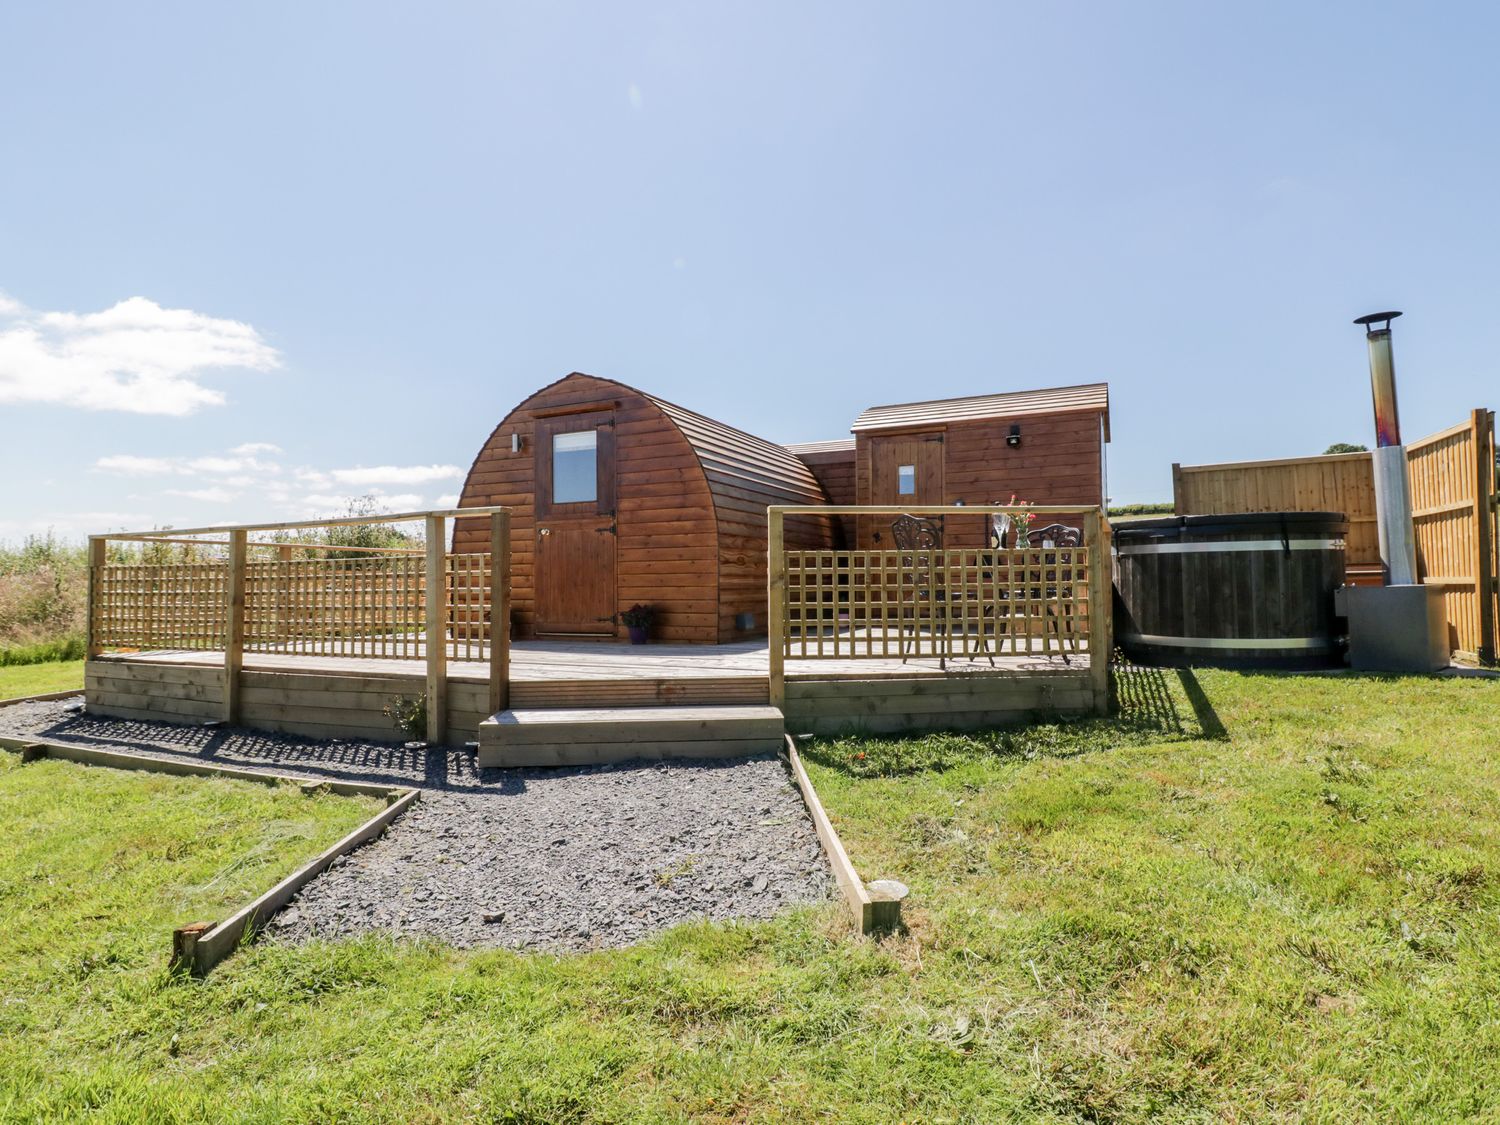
(610, 530)
(613, 619)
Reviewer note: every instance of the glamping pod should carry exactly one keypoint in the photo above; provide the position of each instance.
(619, 498)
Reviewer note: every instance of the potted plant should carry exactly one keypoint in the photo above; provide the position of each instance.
(638, 620)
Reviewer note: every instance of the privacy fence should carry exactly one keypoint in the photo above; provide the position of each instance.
(1454, 500)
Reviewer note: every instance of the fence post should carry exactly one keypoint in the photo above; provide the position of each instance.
(1178, 501)
(97, 545)
(776, 608)
(234, 626)
(436, 598)
(1484, 530)
(499, 611)
(1101, 605)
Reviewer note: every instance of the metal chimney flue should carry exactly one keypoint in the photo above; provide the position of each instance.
(1398, 545)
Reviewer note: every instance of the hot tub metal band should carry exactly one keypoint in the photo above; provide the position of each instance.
(1312, 643)
(1235, 545)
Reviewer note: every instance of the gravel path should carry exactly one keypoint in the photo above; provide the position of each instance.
(561, 859)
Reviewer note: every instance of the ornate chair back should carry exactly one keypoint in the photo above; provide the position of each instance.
(1057, 535)
(913, 533)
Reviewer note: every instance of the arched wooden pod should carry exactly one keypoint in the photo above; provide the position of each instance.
(684, 511)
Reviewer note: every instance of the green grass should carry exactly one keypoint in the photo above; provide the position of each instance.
(1245, 898)
(39, 679)
(45, 652)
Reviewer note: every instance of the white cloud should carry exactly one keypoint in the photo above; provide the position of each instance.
(131, 465)
(255, 473)
(80, 523)
(637, 99)
(134, 356)
(396, 474)
(211, 495)
(317, 504)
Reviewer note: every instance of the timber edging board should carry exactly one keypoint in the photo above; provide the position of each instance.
(871, 914)
(201, 946)
(45, 697)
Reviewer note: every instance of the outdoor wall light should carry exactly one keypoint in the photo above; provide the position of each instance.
(515, 443)
(1014, 437)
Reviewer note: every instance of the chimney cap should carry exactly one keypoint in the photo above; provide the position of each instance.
(1369, 321)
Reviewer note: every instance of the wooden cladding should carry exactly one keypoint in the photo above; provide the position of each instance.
(1452, 478)
(1058, 461)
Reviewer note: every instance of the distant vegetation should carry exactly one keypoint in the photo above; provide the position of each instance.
(43, 591)
(1346, 447)
(1159, 508)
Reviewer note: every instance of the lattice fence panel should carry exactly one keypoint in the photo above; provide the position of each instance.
(166, 606)
(371, 607)
(939, 603)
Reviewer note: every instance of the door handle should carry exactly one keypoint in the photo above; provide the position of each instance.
(544, 531)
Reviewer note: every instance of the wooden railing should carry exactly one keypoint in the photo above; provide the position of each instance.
(374, 605)
(940, 603)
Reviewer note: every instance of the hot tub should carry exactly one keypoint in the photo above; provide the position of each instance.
(1241, 590)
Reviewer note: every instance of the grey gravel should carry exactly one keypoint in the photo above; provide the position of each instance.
(558, 859)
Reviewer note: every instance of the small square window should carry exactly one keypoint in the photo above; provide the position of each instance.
(575, 468)
(906, 480)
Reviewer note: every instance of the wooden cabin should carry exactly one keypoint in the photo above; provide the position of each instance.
(1043, 446)
(619, 498)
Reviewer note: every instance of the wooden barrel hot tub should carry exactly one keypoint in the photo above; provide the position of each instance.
(1240, 590)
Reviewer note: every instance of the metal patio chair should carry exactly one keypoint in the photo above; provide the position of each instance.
(1053, 537)
(919, 540)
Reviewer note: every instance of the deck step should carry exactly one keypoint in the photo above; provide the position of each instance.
(581, 737)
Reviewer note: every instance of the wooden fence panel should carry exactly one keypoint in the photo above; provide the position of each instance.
(1337, 482)
(1445, 504)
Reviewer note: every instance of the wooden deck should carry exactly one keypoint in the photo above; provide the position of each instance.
(535, 662)
(330, 696)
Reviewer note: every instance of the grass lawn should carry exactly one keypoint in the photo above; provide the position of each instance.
(39, 679)
(1245, 898)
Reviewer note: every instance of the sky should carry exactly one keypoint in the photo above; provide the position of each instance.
(258, 259)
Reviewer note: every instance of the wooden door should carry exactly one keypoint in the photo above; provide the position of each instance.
(575, 518)
(907, 469)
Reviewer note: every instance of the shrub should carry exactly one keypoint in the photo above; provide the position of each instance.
(409, 714)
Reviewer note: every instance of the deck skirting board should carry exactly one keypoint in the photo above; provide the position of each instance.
(331, 703)
(892, 706)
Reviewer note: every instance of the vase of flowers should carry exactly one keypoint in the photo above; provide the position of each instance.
(1022, 518)
(637, 621)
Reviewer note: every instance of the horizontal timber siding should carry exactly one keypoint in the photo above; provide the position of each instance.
(1060, 462)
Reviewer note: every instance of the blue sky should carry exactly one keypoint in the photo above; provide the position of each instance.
(256, 258)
